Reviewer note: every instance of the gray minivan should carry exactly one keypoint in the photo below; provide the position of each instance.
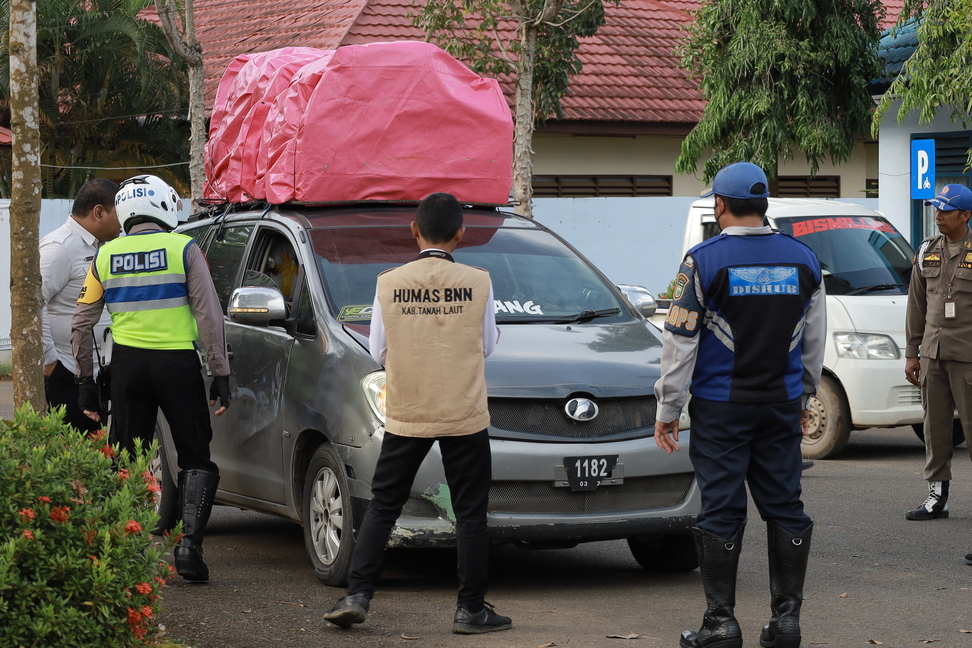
(570, 388)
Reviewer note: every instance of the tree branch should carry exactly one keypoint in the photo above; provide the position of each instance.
(188, 53)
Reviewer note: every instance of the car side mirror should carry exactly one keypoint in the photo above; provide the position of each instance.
(639, 297)
(257, 306)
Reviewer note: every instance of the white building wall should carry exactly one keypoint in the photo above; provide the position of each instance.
(895, 170)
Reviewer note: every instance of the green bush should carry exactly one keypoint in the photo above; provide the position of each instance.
(77, 564)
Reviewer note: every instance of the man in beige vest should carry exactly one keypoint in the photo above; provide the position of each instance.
(432, 327)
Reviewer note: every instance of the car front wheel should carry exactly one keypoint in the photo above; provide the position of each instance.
(327, 516)
(830, 422)
(665, 553)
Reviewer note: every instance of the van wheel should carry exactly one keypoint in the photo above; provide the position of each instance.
(327, 517)
(958, 434)
(167, 501)
(830, 422)
(666, 553)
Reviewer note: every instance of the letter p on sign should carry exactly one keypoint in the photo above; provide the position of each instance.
(922, 169)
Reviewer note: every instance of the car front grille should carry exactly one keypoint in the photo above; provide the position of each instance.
(635, 494)
(548, 418)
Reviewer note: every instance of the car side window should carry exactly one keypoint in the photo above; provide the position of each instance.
(225, 259)
(199, 235)
(274, 263)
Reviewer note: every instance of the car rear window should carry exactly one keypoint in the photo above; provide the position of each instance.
(535, 277)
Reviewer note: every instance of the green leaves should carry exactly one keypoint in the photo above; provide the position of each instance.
(780, 77)
(77, 565)
(936, 77)
(103, 72)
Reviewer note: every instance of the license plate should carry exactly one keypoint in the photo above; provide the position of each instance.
(587, 473)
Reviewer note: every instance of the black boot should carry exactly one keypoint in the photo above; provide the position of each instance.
(197, 488)
(934, 506)
(718, 562)
(788, 555)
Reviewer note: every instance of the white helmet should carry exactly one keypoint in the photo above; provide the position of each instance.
(147, 198)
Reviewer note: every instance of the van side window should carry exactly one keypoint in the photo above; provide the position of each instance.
(225, 259)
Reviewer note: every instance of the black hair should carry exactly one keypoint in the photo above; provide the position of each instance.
(99, 191)
(747, 206)
(439, 217)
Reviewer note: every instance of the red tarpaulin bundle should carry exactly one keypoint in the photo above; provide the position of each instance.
(382, 121)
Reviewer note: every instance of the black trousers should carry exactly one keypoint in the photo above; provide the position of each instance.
(737, 443)
(468, 471)
(60, 389)
(146, 380)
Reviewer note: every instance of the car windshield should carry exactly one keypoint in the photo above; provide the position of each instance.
(858, 254)
(536, 278)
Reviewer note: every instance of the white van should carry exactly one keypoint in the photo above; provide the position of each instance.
(866, 265)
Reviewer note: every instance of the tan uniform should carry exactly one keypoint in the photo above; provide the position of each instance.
(944, 345)
(432, 311)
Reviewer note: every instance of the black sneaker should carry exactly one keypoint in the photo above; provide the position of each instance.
(349, 610)
(968, 559)
(486, 620)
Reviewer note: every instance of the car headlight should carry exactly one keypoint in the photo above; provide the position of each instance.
(866, 346)
(374, 389)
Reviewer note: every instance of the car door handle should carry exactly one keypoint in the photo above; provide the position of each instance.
(229, 351)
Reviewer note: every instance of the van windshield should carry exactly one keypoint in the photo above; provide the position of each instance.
(536, 278)
(858, 255)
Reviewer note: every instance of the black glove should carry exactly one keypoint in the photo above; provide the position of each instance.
(88, 394)
(220, 390)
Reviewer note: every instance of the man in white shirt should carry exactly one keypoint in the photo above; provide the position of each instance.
(65, 255)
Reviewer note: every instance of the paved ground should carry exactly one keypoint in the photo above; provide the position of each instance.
(875, 578)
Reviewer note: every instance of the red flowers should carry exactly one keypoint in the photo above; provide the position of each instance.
(26, 514)
(107, 450)
(133, 527)
(98, 435)
(45, 499)
(60, 513)
(28, 534)
(143, 588)
(123, 473)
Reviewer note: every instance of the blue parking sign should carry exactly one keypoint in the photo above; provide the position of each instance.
(922, 169)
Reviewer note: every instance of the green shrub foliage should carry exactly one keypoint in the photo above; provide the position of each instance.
(77, 564)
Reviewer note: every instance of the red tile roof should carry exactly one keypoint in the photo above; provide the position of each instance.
(629, 71)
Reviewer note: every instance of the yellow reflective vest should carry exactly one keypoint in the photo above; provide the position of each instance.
(144, 281)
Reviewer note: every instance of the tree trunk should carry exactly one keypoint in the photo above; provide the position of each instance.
(189, 50)
(523, 123)
(25, 202)
(197, 126)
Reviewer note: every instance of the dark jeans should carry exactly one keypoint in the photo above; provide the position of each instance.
(60, 389)
(758, 443)
(468, 471)
(146, 380)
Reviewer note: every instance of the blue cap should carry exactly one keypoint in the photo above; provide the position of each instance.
(952, 197)
(738, 181)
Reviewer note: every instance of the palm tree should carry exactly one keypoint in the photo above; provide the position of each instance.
(111, 94)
